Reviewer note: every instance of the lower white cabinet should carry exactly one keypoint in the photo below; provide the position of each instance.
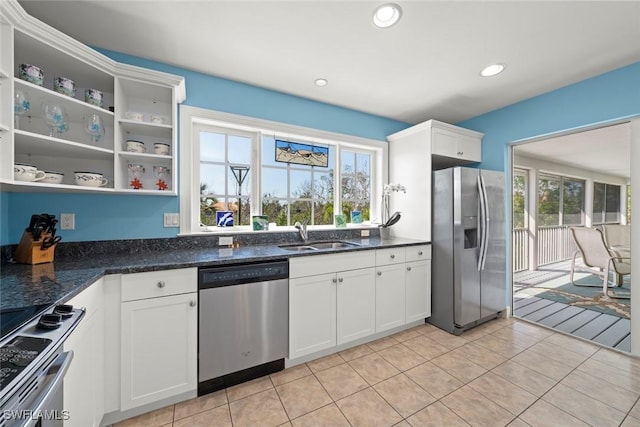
(329, 303)
(83, 391)
(390, 296)
(158, 336)
(417, 279)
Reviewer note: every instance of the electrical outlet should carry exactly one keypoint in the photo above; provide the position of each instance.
(225, 241)
(67, 221)
(364, 233)
(171, 220)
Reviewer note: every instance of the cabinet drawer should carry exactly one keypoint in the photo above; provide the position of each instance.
(322, 264)
(390, 256)
(154, 284)
(418, 253)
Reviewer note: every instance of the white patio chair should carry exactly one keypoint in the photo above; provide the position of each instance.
(596, 254)
(618, 238)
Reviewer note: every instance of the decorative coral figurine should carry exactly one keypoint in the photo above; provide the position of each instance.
(136, 184)
(161, 185)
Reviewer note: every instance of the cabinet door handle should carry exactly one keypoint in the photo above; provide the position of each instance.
(419, 253)
(392, 256)
(192, 303)
(161, 284)
(460, 153)
(379, 273)
(334, 280)
(340, 279)
(408, 268)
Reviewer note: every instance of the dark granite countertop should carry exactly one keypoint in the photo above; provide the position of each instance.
(25, 285)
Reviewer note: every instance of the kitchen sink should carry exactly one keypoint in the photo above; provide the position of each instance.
(317, 245)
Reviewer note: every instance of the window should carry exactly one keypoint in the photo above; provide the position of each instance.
(356, 183)
(227, 163)
(224, 182)
(606, 203)
(560, 201)
(520, 198)
(293, 192)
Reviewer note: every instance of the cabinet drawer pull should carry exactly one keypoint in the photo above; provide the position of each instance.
(408, 268)
(340, 279)
(392, 256)
(460, 153)
(379, 273)
(419, 253)
(161, 284)
(192, 303)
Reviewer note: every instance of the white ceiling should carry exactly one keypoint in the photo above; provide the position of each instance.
(605, 150)
(427, 66)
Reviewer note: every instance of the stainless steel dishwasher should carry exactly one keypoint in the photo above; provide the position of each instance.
(243, 324)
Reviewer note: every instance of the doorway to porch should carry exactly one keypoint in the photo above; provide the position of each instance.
(575, 180)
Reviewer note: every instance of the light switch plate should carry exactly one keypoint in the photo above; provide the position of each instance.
(171, 220)
(364, 233)
(225, 241)
(67, 221)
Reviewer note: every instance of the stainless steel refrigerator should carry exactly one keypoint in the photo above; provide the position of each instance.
(468, 248)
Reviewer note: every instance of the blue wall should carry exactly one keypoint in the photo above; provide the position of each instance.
(610, 96)
(109, 217)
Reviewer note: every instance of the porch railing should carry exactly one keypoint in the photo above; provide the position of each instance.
(554, 244)
(520, 249)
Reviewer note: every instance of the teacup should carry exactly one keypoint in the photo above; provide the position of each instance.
(134, 115)
(52, 177)
(90, 179)
(22, 172)
(136, 146)
(64, 86)
(159, 120)
(93, 97)
(160, 148)
(31, 73)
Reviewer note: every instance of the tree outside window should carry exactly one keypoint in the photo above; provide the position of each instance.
(519, 199)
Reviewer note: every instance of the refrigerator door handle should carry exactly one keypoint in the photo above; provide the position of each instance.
(481, 227)
(485, 231)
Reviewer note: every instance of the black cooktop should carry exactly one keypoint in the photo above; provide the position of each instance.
(12, 318)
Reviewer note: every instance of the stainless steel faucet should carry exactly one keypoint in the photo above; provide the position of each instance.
(302, 229)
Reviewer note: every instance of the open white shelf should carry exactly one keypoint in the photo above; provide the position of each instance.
(29, 142)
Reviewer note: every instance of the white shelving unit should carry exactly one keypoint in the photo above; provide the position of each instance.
(26, 138)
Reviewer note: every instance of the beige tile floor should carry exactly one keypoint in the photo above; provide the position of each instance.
(506, 372)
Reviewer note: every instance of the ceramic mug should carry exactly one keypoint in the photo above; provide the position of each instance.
(136, 146)
(160, 148)
(90, 179)
(30, 173)
(93, 97)
(52, 177)
(31, 73)
(64, 86)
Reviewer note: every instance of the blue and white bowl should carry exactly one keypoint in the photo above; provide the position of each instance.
(31, 74)
(64, 86)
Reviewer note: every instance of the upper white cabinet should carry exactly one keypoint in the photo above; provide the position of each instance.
(137, 104)
(413, 153)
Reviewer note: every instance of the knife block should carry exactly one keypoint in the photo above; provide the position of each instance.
(30, 251)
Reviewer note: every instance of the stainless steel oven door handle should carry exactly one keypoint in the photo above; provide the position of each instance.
(59, 367)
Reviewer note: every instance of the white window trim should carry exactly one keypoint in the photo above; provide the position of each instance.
(189, 175)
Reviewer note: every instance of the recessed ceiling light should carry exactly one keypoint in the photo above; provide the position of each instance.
(321, 82)
(387, 15)
(492, 70)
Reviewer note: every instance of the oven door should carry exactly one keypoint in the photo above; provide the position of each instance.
(42, 407)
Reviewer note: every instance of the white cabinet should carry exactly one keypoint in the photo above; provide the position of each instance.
(413, 153)
(418, 282)
(331, 301)
(26, 138)
(462, 147)
(390, 297)
(158, 336)
(83, 392)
